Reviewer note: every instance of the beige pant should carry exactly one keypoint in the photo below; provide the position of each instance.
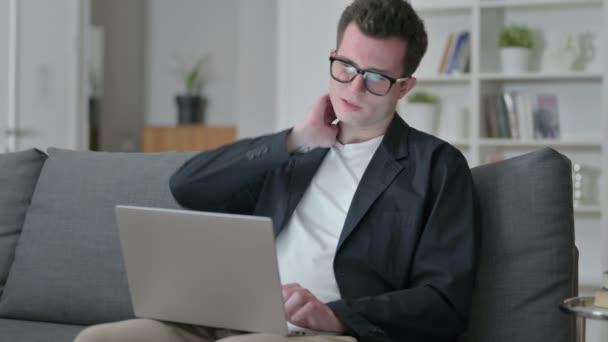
(147, 330)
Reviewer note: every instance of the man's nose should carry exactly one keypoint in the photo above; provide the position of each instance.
(358, 84)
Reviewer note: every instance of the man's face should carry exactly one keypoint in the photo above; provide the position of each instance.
(353, 103)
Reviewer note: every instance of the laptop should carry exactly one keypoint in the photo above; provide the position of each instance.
(201, 268)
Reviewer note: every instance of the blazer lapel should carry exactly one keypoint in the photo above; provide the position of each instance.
(382, 169)
(377, 177)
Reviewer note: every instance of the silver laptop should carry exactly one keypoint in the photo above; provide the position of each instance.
(200, 268)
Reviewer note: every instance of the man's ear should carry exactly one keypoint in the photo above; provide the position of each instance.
(407, 86)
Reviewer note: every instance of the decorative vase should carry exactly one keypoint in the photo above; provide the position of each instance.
(515, 60)
(585, 184)
(569, 52)
(422, 116)
(190, 109)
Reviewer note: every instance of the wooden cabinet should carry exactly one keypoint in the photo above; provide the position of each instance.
(185, 138)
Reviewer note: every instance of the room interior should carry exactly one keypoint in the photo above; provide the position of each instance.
(107, 75)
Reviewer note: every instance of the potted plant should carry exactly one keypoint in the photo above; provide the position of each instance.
(190, 103)
(515, 42)
(420, 111)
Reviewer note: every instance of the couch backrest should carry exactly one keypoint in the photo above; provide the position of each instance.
(527, 257)
(19, 173)
(68, 264)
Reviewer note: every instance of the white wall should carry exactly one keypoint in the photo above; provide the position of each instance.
(307, 33)
(4, 12)
(604, 199)
(257, 67)
(190, 28)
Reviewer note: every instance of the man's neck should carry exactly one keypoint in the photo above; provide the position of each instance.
(349, 134)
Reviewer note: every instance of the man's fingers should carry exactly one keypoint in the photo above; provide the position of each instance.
(295, 301)
(329, 115)
(303, 315)
(288, 289)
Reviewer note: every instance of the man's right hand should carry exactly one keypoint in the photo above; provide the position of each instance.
(316, 130)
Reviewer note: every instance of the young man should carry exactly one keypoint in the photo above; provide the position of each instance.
(375, 221)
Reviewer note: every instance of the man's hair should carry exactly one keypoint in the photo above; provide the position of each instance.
(385, 19)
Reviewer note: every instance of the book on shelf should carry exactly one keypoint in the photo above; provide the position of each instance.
(446, 53)
(456, 58)
(512, 115)
(504, 130)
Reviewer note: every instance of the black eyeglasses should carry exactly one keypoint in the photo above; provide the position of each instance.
(376, 83)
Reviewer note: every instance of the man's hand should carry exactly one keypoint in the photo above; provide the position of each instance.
(305, 310)
(316, 130)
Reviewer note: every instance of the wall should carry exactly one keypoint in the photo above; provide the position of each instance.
(4, 18)
(122, 106)
(306, 36)
(188, 29)
(257, 67)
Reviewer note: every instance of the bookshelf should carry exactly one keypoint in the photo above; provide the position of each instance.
(542, 76)
(583, 114)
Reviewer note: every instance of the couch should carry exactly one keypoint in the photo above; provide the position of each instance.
(61, 267)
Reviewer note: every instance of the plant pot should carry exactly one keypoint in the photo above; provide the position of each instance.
(453, 124)
(421, 116)
(515, 60)
(190, 109)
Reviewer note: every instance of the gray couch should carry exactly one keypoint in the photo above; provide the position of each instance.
(61, 267)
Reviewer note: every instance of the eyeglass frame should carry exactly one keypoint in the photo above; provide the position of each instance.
(362, 72)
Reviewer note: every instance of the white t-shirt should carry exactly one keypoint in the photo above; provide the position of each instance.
(307, 245)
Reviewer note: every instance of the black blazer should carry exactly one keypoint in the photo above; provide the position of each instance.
(406, 258)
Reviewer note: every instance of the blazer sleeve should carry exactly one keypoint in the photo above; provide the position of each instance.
(435, 304)
(230, 178)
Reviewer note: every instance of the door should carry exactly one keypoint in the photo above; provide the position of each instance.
(4, 72)
(49, 83)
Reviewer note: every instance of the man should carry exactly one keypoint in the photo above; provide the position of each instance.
(375, 221)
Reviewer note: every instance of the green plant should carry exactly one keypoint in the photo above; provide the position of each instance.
(191, 76)
(516, 36)
(193, 82)
(422, 97)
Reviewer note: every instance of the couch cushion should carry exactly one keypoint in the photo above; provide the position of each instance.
(29, 331)
(18, 176)
(527, 250)
(68, 264)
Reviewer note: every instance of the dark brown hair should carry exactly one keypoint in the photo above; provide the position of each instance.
(389, 18)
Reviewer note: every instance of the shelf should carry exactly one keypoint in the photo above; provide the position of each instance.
(448, 79)
(461, 143)
(443, 6)
(543, 76)
(537, 3)
(490, 142)
(588, 209)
